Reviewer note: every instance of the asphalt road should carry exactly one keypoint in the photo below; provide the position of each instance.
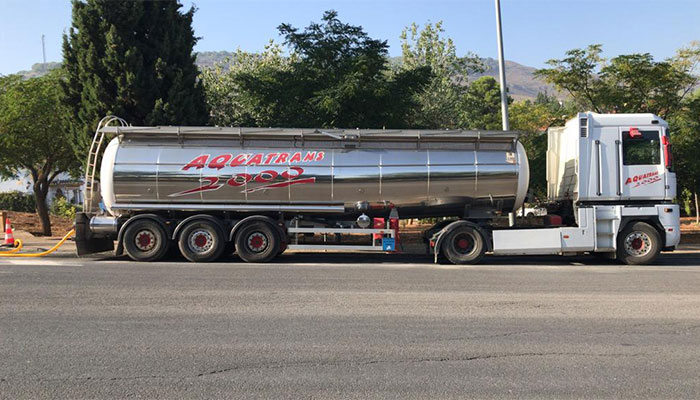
(350, 326)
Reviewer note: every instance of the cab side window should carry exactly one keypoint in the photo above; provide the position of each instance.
(641, 148)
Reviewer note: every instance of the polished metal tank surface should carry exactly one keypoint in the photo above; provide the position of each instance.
(422, 173)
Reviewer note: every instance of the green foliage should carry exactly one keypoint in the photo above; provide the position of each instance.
(34, 134)
(685, 141)
(240, 90)
(17, 201)
(533, 118)
(335, 76)
(440, 102)
(481, 105)
(626, 83)
(134, 60)
(63, 208)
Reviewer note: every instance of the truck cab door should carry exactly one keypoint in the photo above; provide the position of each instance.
(642, 170)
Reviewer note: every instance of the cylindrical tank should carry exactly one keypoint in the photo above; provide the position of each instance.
(421, 173)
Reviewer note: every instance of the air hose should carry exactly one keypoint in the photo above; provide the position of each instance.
(15, 252)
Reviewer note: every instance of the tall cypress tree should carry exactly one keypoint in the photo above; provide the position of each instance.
(133, 59)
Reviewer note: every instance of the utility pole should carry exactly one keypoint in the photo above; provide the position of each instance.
(43, 48)
(504, 92)
(502, 68)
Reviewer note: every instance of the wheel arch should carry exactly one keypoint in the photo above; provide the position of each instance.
(120, 236)
(444, 232)
(199, 217)
(263, 218)
(648, 219)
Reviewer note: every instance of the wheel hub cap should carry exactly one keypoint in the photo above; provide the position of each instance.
(638, 244)
(463, 243)
(145, 240)
(257, 242)
(201, 241)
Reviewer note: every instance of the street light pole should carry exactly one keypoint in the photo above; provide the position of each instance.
(502, 69)
(504, 93)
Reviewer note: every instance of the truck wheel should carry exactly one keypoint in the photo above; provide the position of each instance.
(638, 243)
(464, 245)
(201, 241)
(145, 240)
(257, 242)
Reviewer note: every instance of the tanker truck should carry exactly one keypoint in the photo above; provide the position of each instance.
(210, 191)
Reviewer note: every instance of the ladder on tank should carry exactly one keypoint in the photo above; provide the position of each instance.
(93, 158)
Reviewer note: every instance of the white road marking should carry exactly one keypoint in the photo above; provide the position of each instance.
(39, 261)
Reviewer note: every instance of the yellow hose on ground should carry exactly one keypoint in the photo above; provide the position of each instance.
(18, 247)
(13, 253)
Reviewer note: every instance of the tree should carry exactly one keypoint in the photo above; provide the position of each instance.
(335, 76)
(34, 134)
(240, 90)
(134, 60)
(686, 147)
(440, 101)
(481, 105)
(533, 119)
(627, 83)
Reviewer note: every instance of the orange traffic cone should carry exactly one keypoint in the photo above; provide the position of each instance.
(9, 237)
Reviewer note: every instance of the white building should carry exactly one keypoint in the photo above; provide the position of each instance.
(64, 185)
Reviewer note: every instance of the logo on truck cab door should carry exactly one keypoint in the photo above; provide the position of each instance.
(643, 179)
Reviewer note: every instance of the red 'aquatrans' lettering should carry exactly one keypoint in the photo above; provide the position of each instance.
(219, 162)
(282, 158)
(228, 159)
(269, 157)
(239, 159)
(198, 162)
(255, 160)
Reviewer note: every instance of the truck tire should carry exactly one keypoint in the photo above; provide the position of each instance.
(145, 240)
(464, 245)
(638, 243)
(257, 242)
(201, 241)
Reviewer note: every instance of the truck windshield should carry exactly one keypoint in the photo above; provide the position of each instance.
(642, 148)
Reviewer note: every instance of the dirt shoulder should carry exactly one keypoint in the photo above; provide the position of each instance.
(30, 222)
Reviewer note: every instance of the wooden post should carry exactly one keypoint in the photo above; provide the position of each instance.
(3, 217)
(697, 210)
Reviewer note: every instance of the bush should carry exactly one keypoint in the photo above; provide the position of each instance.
(62, 208)
(17, 201)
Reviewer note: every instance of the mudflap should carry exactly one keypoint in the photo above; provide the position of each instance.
(85, 243)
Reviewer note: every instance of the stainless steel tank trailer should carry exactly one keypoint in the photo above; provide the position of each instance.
(260, 191)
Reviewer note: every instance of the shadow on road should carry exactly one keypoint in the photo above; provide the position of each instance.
(665, 259)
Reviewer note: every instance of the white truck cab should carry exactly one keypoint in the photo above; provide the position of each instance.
(613, 173)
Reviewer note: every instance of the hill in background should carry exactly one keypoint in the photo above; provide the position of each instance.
(522, 83)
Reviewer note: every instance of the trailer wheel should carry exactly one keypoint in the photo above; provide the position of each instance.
(257, 242)
(145, 240)
(464, 245)
(201, 241)
(638, 243)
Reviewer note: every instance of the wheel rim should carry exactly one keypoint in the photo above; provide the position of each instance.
(201, 241)
(257, 242)
(145, 240)
(463, 243)
(637, 244)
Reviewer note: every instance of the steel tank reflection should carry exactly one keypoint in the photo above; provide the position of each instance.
(422, 173)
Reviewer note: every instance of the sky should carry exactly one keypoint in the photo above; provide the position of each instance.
(534, 30)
